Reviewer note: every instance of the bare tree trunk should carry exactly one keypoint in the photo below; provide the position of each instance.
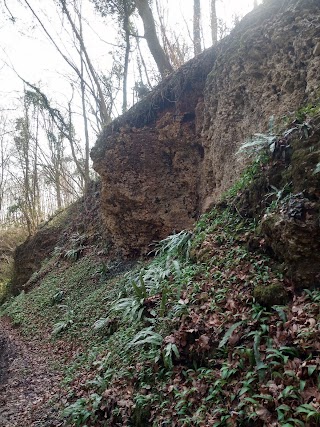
(57, 166)
(65, 128)
(26, 154)
(126, 27)
(255, 3)
(4, 158)
(173, 48)
(36, 187)
(196, 27)
(103, 108)
(2, 170)
(85, 118)
(143, 64)
(25, 148)
(72, 146)
(150, 35)
(214, 23)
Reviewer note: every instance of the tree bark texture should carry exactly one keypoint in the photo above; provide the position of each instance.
(151, 37)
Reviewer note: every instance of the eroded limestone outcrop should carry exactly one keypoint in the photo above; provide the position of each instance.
(269, 66)
(152, 182)
(292, 228)
(173, 154)
(149, 161)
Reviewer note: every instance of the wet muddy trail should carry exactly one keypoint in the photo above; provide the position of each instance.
(29, 387)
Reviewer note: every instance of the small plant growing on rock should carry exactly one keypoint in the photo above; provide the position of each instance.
(176, 245)
(317, 169)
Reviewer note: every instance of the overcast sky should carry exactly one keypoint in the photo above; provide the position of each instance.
(25, 46)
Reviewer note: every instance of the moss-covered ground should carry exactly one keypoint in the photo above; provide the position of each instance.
(181, 340)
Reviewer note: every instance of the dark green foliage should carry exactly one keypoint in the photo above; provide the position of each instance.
(204, 333)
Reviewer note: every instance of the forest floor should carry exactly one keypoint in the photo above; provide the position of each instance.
(29, 385)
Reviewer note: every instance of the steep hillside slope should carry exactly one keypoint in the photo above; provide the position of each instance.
(68, 232)
(171, 155)
(220, 324)
(211, 331)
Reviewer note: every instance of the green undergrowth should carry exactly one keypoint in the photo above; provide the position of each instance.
(70, 297)
(181, 340)
(3, 291)
(207, 332)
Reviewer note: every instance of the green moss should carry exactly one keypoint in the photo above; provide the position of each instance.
(247, 177)
(3, 291)
(309, 110)
(269, 295)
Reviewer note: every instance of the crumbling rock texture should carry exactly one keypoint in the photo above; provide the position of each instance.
(149, 162)
(267, 67)
(29, 256)
(292, 228)
(174, 153)
(152, 182)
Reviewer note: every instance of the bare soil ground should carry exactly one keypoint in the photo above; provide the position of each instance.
(29, 386)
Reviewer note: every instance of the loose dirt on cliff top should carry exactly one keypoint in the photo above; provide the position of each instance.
(29, 388)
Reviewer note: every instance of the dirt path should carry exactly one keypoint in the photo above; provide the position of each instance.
(29, 388)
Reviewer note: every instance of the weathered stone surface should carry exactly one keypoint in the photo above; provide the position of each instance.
(266, 68)
(292, 228)
(316, 51)
(152, 182)
(293, 232)
(173, 154)
(149, 162)
(29, 256)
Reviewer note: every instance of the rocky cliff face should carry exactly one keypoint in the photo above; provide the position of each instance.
(269, 66)
(149, 161)
(173, 154)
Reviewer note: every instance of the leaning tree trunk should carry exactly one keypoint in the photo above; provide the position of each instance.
(150, 35)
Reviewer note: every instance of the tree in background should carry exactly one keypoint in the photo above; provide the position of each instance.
(85, 58)
(122, 10)
(174, 42)
(4, 156)
(53, 162)
(26, 145)
(150, 34)
(214, 22)
(196, 27)
(39, 174)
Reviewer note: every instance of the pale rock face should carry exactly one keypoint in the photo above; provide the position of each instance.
(267, 68)
(151, 184)
(171, 156)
